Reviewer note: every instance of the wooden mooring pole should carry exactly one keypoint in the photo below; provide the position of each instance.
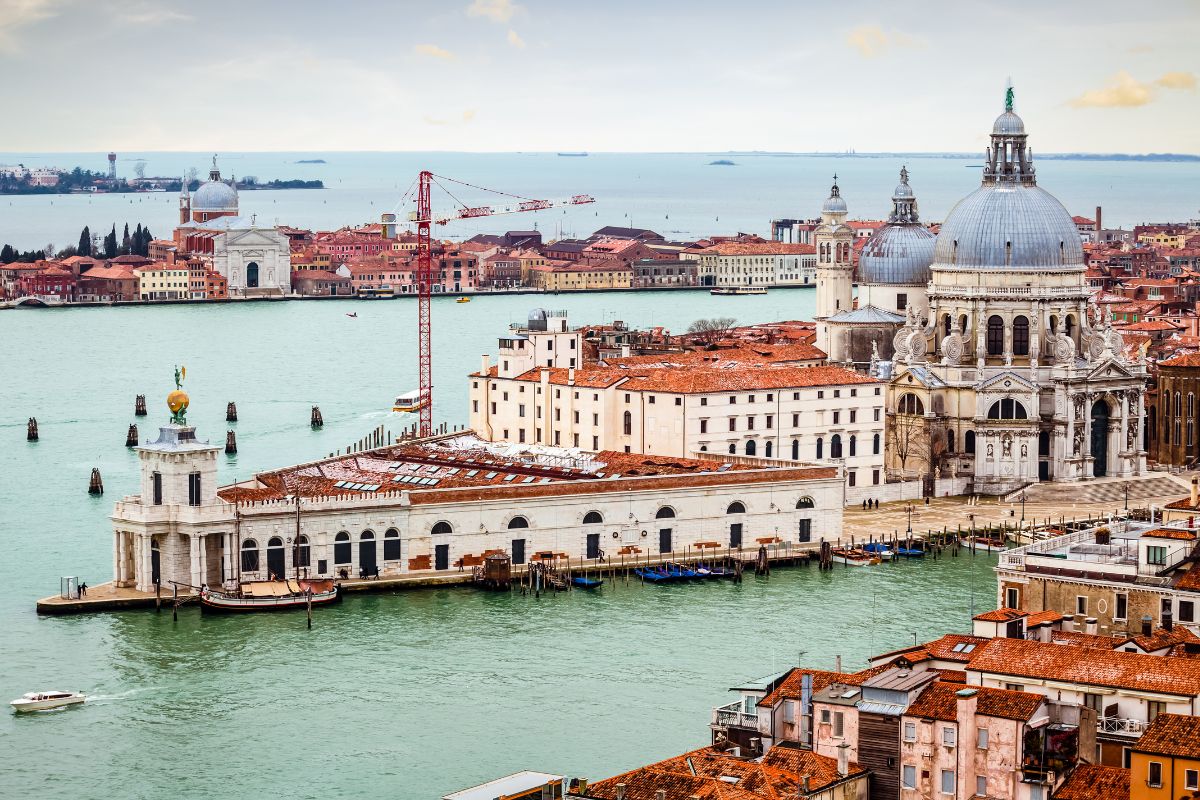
(131, 438)
(95, 485)
(230, 443)
(231, 412)
(317, 420)
(31, 430)
(139, 405)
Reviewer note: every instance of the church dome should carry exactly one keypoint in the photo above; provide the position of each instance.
(215, 196)
(835, 203)
(1009, 227)
(1009, 222)
(900, 252)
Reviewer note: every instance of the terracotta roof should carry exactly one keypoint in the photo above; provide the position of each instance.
(1095, 782)
(1043, 618)
(1085, 665)
(790, 687)
(1080, 639)
(1001, 615)
(1171, 533)
(743, 353)
(1172, 735)
(753, 249)
(1190, 580)
(1161, 638)
(710, 773)
(951, 647)
(939, 700)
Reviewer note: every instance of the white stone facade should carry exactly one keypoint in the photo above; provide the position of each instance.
(254, 260)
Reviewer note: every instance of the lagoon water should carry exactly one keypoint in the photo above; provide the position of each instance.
(680, 195)
(406, 695)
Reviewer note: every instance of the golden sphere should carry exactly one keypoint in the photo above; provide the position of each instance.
(177, 400)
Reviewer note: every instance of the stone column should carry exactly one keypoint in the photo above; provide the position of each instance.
(194, 560)
(1086, 450)
(1142, 434)
(1126, 452)
(203, 559)
(145, 577)
(117, 557)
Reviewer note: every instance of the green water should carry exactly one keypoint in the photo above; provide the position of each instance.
(405, 695)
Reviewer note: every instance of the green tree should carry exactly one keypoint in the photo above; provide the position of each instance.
(7, 254)
(110, 243)
(125, 241)
(85, 242)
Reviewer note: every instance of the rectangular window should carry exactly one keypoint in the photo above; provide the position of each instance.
(901, 301)
(1156, 556)
(521, 435)
(874, 477)
(1154, 776)
(908, 777)
(194, 489)
(1094, 702)
(770, 422)
(704, 426)
(651, 399)
(837, 416)
(947, 781)
(806, 530)
(795, 420)
(1191, 779)
(733, 423)
(750, 423)
(981, 738)
(1012, 597)
(156, 480)
(595, 442)
(521, 410)
(910, 731)
(949, 736)
(1121, 606)
(678, 401)
(703, 401)
(1187, 611)
(839, 723)
(825, 716)
(820, 394)
(853, 416)
(1153, 709)
(1015, 687)
(732, 400)
(1081, 604)
(851, 478)
(980, 786)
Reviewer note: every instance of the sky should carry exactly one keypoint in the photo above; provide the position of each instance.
(615, 75)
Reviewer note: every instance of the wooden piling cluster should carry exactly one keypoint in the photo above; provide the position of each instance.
(231, 412)
(96, 484)
(139, 405)
(316, 420)
(230, 443)
(31, 430)
(131, 438)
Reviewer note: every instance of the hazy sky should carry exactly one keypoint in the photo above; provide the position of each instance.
(649, 75)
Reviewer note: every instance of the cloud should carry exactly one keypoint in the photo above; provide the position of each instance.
(1126, 91)
(18, 14)
(515, 40)
(153, 15)
(871, 40)
(495, 10)
(433, 51)
(1178, 80)
(1141, 49)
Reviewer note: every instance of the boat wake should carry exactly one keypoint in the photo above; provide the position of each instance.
(101, 699)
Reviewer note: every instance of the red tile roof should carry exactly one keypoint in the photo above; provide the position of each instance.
(1171, 533)
(1095, 782)
(1086, 665)
(791, 685)
(1043, 618)
(1001, 615)
(939, 700)
(1172, 735)
(1161, 638)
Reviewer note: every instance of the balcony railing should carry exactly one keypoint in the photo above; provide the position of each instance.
(1122, 727)
(732, 715)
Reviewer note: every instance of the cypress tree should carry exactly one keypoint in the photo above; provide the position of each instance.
(139, 242)
(85, 242)
(125, 241)
(110, 243)
(7, 254)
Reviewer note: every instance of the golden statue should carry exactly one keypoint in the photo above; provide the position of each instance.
(177, 400)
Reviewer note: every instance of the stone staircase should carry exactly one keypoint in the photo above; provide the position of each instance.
(1104, 490)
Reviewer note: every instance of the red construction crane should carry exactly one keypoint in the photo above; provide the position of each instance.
(425, 218)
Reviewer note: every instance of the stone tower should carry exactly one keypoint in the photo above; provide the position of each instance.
(834, 240)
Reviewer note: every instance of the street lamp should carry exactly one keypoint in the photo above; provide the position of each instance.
(1126, 495)
(1022, 499)
(908, 509)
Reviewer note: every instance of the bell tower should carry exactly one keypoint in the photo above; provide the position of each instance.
(834, 240)
(185, 201)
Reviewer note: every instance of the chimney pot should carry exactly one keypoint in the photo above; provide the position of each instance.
(843, 759)
(1147, 625)
(1091, 623)
(620, 791)
(1168, 620)
(1195, 490)
(805, 785)
(660, 794)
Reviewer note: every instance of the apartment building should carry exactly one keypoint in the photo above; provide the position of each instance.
(754, 263)
(774, 402)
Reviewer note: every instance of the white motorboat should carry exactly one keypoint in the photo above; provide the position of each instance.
(41, 701)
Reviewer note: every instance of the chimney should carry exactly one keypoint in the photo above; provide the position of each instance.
(620, 791)
(838, 667)
(487, 364)
(1099, 225)
(571, 376)
(660, 794)
(843, 759)
(1168, 619)
(1195, 490)
(755, 744)
(1147, 625)
(1091, 623)
(804, 785)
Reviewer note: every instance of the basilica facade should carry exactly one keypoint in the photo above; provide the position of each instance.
(1000, 367)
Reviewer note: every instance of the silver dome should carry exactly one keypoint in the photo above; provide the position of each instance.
(1008, 124)
(1009, 226)
(215, 196)
(903, 191)
(835, 203)
(898, 254)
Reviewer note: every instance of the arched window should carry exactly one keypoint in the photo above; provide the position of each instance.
(969, 442)
(820, 448)
(853, 446)
(735, 508)
(751, 448)
(1053, 323)
(1070, 324)
(303, 552)
(949, 441)
(341, 548)
(366, 536)
(962, 323)
(517, 522)
(875, 445)
(249, 556)
(276, 566)
(946, 324)
(795, 449)
(444, 527)
(1021, 336)
(835, 446)
(666, 512)
(627, 423)
(593, 518)
(911, 404)
(732, 448)
(767, 449)
(995, 336)
(1007, 409)
(391, 545)
(805, 502)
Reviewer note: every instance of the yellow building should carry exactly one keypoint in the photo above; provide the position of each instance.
(570, 277)
(1173, 240)
(1165, 762)
(162, 281)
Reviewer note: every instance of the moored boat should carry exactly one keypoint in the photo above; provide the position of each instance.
(581, 582)
(738, 290)
(463, 300)
(652, 575)
(44, 701)
(989, 544)
(270, 596)
(910, 552)
(879, 549)
(853, 557)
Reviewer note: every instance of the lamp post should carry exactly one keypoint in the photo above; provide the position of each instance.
(908, 509)
(1022, 498)
(1127, 495)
